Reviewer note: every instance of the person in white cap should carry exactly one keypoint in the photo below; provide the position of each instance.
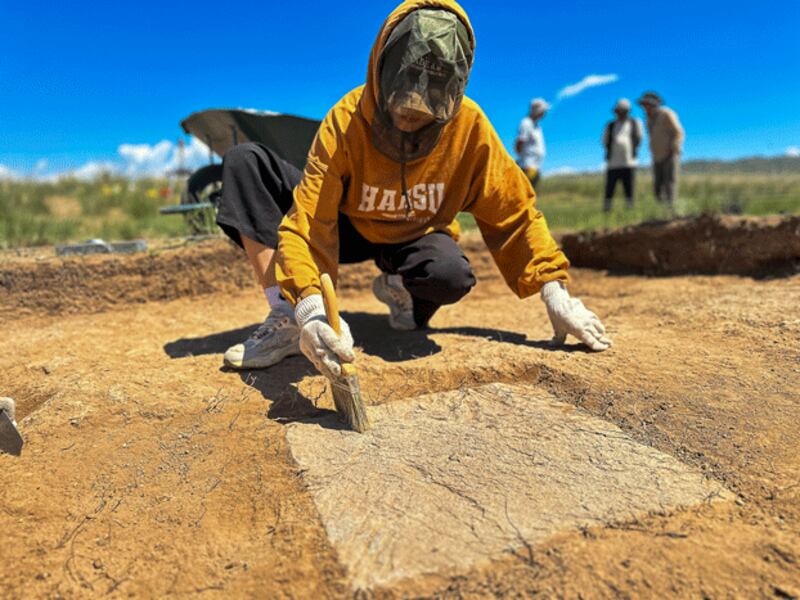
(621, 139)
(530, 146)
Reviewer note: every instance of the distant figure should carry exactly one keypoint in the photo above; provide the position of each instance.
(621, 139)
(666, 145)
(530, 141)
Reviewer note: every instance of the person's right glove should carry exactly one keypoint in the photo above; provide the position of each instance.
(7, 406)
(318, 340)
(569, 316)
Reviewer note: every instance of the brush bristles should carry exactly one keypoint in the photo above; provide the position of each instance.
(348, 402)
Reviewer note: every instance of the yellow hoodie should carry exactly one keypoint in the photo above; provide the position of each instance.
(469, 170)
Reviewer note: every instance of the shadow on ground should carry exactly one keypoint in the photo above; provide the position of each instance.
(216, 343)
(373, 335)
(376, 338)
(279, 383)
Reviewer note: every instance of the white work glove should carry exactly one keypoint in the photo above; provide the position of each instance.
(318, 340)
(570, 316)
(7, 406)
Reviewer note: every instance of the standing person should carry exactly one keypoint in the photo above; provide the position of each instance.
(392, 165)
(666, 145)
(621, 139)
(529, 146)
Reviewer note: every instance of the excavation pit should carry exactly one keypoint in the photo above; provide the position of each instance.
(450, 480)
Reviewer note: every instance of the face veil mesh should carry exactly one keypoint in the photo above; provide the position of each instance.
(424, 67)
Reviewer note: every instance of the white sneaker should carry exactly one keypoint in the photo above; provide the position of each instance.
(277, 338)
(399, 301)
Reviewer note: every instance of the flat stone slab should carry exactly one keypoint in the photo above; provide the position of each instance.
(449, 480)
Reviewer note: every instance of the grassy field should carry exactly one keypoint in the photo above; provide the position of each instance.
(34, 213)
(575, 202)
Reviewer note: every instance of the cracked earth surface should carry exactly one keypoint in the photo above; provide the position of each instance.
(148, 470)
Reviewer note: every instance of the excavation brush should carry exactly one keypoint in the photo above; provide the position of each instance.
(346, 391)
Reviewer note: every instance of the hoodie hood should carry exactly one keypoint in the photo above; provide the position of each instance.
(416, 33)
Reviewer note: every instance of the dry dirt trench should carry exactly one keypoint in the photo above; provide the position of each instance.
(149, 471)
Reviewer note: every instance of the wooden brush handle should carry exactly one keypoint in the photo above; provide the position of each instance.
(331, 304)
(332, 313)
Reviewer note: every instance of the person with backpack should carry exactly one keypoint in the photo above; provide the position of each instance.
(621, 139)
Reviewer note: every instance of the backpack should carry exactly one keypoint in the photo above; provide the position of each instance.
(636, 138)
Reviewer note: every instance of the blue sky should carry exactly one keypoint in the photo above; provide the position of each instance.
(81, 79)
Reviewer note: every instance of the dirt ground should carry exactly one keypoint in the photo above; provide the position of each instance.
(710, 244)
(149, 470)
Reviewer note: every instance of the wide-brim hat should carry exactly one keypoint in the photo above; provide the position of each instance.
(651, 99)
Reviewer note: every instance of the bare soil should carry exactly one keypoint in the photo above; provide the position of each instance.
(149, 470)
(754, 246)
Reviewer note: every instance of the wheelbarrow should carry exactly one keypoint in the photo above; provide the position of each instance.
(288, 136)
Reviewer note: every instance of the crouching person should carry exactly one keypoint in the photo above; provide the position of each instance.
(392, 165)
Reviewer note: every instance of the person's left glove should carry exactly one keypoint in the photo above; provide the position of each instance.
(318, 340)
(569, 316)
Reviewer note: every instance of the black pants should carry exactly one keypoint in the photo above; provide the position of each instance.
(257, 190)
(627, 177)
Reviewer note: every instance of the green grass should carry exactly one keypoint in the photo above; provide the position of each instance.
(116, 208)
(575, 202)
(112, 208)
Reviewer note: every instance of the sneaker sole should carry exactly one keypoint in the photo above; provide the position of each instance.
(377, 289)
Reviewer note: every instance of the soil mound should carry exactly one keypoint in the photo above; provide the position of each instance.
(88, 284)
(93, 283)
(754, 246)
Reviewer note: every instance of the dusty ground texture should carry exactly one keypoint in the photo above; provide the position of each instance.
(446, 481)
(148, 470)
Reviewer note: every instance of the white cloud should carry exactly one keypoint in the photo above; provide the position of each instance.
(134, 160)
(7, 174)
(91, 170)
(587, 82)
(793, 151)
(144, 159)
(195, 155)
